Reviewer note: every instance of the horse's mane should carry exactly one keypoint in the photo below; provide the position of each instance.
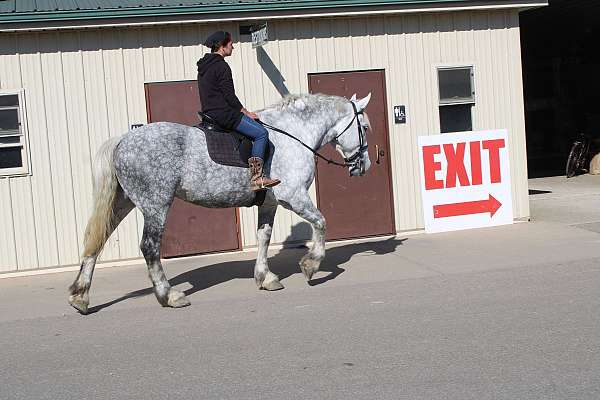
(301, 103)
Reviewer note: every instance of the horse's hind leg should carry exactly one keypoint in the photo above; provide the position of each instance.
(264, 278)
(154, 225)
(79, 290)
(304, 207)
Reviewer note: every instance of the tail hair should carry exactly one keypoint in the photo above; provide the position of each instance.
(105, 189)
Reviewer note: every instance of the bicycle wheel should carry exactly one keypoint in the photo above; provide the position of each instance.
(574, 159)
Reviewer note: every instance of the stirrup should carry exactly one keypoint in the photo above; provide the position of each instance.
(262, 185)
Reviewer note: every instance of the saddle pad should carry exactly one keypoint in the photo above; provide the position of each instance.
(228, 148)
(233, 149)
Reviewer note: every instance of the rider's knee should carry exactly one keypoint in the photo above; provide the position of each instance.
(264, 134)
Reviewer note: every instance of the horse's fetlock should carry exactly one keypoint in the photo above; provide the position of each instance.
(309, 265)
(259, 278)
(162, 295)
(78, 289)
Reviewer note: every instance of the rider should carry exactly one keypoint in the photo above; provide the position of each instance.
(219, 102)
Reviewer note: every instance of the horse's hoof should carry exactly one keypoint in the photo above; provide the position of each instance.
(309, 266)
(79, 303)
(177, 299)
(271, 283)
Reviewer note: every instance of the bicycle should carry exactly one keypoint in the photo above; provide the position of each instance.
(579, 157)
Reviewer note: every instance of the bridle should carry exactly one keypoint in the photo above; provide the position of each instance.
(355, 160)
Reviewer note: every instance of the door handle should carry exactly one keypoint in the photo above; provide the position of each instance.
(380, 153)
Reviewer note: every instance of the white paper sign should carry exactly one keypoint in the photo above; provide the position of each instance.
(260, 36)
(465, 180)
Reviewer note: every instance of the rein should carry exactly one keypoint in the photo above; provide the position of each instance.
(348, 162)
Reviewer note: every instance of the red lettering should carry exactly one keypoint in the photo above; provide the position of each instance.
(456, 165)
(431, 166)
(493, 147)
(475, 152)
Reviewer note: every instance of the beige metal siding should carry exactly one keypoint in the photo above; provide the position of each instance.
(82, 87)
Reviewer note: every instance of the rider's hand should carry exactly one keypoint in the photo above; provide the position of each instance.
(250, 114)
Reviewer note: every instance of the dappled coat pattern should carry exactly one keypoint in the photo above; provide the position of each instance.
(150, 166)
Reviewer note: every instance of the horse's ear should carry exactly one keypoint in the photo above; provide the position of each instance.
(364, 102)
(353, 98)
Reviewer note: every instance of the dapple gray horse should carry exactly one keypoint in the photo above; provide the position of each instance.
(149, 166)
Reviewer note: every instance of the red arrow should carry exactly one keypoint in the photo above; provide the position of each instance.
(490, 205)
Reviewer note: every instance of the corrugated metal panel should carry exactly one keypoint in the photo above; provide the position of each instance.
(516, 119)
(82, 87)
(118, 123)
(411, 53)
(8, 255)
(9, 79)
(133, 70)
(77, 131)
(28, 248)
(36, 194)
(61, 201)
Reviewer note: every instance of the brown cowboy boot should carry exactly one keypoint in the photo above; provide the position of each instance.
(258, 181)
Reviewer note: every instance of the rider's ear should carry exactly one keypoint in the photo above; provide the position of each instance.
(364, 102)
(353, 98)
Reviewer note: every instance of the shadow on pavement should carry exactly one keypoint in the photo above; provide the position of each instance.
(284, 264)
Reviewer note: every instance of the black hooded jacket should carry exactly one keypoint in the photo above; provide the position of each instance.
(217, 93)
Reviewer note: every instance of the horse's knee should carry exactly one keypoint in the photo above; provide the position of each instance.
(319, 227)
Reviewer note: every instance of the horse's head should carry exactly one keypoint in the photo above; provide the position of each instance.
(351, 139)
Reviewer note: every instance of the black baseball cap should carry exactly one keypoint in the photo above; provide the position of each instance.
(216, 39)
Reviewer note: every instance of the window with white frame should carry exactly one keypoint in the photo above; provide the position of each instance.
(13, 135)
(457, 98)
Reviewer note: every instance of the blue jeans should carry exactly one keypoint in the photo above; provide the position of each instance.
(255, 131)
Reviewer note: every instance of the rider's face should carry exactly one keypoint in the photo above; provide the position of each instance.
(228, 49)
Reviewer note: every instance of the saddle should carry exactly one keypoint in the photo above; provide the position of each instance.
(226, 147)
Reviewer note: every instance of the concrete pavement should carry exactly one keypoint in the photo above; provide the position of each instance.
(507, 312)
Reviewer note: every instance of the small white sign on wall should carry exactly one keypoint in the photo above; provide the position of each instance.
(260, 35)
(465, 180)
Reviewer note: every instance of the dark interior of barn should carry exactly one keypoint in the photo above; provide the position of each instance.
(561, 67)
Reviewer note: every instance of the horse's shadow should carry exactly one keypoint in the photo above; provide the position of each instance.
(284, 264)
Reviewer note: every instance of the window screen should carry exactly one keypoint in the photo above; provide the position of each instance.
(456, 85)
(457, 98)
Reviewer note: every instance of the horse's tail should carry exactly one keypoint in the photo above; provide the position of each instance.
(105, 189)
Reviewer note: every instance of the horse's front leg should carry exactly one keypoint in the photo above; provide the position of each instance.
(304, 207)
(264, 278)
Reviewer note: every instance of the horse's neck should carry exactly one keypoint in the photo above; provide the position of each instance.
(314, 132)
(328, 134)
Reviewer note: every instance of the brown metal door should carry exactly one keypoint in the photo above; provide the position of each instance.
(357, 206)
(190, 229)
